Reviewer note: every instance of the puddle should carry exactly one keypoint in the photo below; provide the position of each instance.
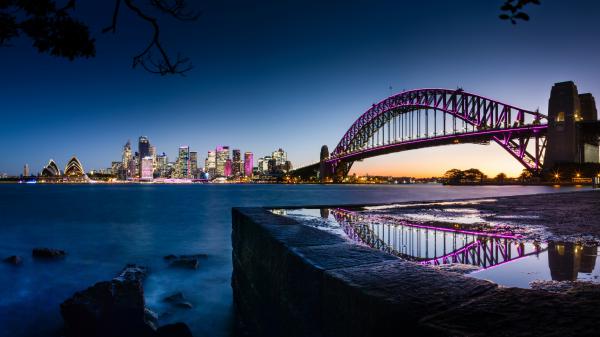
(459, 239)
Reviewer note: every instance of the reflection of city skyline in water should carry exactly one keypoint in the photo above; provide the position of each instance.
(499, 255)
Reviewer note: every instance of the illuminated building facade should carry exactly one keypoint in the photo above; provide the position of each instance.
(248, 164)
(210, 164)
(237, 166)
(222, 154)
(194, 172)
(147, 168)
(143, 151)
(183, 169)
(162, 166)
(227, 170)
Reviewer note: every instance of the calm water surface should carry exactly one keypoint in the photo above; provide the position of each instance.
(103, 227)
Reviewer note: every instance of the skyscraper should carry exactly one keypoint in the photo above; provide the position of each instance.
(237, 167)
(143, 147)
(26, 170)
(227, 170)
(222, 156)
(162, 165)
(248, 164)
(210, 165)
(193, 165)
(143, 151)
(182, 169)
(126, 157)
(280, 157)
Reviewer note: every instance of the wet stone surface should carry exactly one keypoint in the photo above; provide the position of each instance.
(316, 285)
(512, 241)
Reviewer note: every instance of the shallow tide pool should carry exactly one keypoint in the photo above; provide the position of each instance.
(459, 239)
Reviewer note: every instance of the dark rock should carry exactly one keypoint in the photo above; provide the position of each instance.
(151, 317)
(132, 272)
(48, 253)
(170, 257)
(185, 263)
(177, 297)
(109, 308)
(174, 330)
(184, 305)
(14, 260)
(194, 256)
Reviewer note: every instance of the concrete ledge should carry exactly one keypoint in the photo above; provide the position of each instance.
(294, 280)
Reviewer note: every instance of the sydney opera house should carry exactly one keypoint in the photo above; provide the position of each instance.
(73, 172)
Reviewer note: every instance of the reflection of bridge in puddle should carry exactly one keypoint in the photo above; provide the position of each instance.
(431, 245)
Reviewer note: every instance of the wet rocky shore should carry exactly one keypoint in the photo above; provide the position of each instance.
(571, 216)
(117, 307)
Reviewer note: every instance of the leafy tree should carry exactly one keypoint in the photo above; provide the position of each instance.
(473, 175)
(512, 10)
(454, 176)
(525, 175)
(55, 31)
(500, 178)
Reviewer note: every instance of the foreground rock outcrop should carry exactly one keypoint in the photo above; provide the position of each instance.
(48, 253)
(15, 260)
(185, 261)
(114, 308)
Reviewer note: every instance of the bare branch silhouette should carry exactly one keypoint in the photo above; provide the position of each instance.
(54, 31)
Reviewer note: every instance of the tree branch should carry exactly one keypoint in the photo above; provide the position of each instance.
(113, 27)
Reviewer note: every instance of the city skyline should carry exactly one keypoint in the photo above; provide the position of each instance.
(288, 86)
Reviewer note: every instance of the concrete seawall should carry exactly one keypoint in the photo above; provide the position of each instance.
(293, 280)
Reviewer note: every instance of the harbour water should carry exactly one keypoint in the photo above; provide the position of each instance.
(104, 227)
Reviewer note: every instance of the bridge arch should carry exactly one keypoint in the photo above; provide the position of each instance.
(428, 117)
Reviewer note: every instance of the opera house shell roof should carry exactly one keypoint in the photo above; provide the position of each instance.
(74, 168)
(51, 170)
(73, 171)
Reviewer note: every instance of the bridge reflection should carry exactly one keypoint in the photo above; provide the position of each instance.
(431, 245)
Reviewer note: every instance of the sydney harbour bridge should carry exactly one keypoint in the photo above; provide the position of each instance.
(430, 117)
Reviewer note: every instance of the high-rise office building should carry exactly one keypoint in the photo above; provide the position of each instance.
(143, 151)
(162, 165)
(210, 165)
(194, 172)
(147, 168)
(248, 164)
(182, 169)
(280, 157)
(116, 168)
(263, 164)
(26, 170)
(127, 155)
(237, 166)
(222, 154)
(143, 147)
(227, 169)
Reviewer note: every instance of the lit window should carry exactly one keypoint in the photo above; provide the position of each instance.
(560, 117)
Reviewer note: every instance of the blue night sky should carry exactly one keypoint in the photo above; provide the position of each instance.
(291, 74)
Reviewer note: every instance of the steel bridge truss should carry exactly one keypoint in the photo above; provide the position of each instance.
(430, 117)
